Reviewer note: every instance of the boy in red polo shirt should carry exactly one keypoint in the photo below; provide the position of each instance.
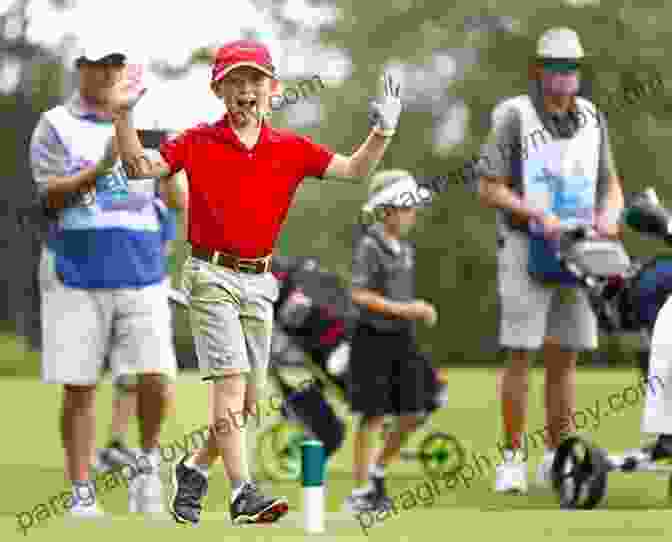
(242, 178)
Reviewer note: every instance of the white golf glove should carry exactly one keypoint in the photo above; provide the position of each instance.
(338, 361)
(384, 114)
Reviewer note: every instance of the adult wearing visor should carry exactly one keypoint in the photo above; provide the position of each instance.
(558, 173)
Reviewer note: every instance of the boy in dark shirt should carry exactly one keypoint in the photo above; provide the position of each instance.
(387, 372)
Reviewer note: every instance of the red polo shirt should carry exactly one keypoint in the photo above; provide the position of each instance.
(239, 198)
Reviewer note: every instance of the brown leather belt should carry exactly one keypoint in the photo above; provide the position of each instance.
(240, 265)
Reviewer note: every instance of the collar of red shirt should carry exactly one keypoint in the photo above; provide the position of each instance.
(224, 132)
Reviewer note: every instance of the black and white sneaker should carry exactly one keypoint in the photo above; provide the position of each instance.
(374, 499)
(381, 499)
(189, 487)
(363, 502)
(661, 451)
(250, 506)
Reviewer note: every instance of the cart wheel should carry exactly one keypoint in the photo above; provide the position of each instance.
(441, 453)
(279, 451)
(579, 474)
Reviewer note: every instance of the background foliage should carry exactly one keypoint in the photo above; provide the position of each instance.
(492, 43)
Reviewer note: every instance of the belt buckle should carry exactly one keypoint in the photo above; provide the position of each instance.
(215, 258)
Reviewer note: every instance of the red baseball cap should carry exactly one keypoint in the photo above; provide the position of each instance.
(242, 53)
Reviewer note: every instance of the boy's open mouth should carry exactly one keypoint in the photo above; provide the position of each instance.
(247, 103)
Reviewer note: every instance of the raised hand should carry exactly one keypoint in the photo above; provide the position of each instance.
(384, 114)
(125, 95)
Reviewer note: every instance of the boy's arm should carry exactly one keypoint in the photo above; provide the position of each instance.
(375, 302)
(138, 166)
(365, 267)
(363, 162)
(174, 191)
(121, 101)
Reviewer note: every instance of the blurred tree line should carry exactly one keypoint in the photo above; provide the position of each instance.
(32, 81)
(456, 238)
(490, 46)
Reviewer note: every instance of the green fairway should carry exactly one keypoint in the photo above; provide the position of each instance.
(636, 505)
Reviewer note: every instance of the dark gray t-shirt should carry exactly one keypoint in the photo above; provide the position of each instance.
(387, 268)
(501, 154)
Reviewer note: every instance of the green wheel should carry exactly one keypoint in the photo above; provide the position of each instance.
(441, 453)
(279, 451)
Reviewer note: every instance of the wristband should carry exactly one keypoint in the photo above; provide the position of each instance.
(101, 171)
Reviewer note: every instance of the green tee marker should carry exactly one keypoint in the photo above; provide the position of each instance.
(312, 463)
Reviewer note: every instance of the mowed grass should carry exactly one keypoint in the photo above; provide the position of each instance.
(636, 506)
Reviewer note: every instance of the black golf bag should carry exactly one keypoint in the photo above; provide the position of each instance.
(312, 320)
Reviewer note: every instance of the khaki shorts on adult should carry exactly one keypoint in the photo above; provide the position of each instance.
(132, 326)
(232, 319)
(530, 311)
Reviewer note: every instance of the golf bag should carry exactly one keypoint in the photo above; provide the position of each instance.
(625, 295)
(313, 313)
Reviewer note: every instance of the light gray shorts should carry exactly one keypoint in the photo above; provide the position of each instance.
(132, 326)
(531, 311)
(231, 318)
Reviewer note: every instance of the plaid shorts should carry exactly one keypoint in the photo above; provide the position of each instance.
(231, 317)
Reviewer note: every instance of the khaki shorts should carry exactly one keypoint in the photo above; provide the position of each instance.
(132, 326)
(530, 311)
(231, 317)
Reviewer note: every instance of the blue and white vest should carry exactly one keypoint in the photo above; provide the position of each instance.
(113, 238)
(560, 177)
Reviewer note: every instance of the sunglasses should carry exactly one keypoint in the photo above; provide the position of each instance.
(560, 66)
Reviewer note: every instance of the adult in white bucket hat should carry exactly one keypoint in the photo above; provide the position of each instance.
(547, 165)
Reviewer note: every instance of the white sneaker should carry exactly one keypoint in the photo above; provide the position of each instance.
(544, 478)
(149, 495)
(85, 507)
(511, 474)
(86, 511)
(145, 491)
(134, 485)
